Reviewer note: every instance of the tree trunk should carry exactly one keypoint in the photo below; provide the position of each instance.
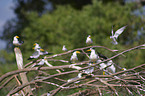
(23, 76)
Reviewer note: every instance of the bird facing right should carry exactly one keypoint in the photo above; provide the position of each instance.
(16, 42)
(89, 40)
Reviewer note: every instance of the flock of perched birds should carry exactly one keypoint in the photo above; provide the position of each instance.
(94, 58)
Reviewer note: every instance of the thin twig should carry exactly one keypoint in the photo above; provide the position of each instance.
(6, 82)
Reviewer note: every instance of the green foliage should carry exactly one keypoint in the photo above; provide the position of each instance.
(9, 57)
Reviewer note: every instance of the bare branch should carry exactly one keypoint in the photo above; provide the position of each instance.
(132, 80)
(6, 82)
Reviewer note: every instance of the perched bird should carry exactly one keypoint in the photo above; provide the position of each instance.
(72, 79)
(42, 51)
(112, 67)
(93, 56)
(117, 33)
(89, 40)
(124, 69)
(40, 63)
(36, 46)
(102, 66)
(74, 57)
(89, 70)
(64, 48)
(36, 54)
(79, 76)
(16, 42)
(44, 61)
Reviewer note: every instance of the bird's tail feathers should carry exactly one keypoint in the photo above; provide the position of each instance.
(111, 36)
(30, 58)
(49, 53)
(22, 42)
(115, 43)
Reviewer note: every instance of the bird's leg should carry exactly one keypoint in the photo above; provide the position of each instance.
(62, 69)
(39, 67)
(94, 62)
(58, 70)
(103, 72)
(34, 61)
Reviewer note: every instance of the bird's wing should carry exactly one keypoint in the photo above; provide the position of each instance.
(112, 67)
(119, 31)
(45, 53)
(72, 79)
(64, 49)
(21, 42)
(102, 65)
(35, 55)
(101, 55)
(71, 58)
(112, 31)
(40, 63)
(114, 41)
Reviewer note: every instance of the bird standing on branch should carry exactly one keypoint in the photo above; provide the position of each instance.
(40, 63)
(74, 56)
(89, 40)
(124, 69)
(102, 66)
(64, 48)
(42, 51)
(112, 67)
(36, 54)
(93, 56)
